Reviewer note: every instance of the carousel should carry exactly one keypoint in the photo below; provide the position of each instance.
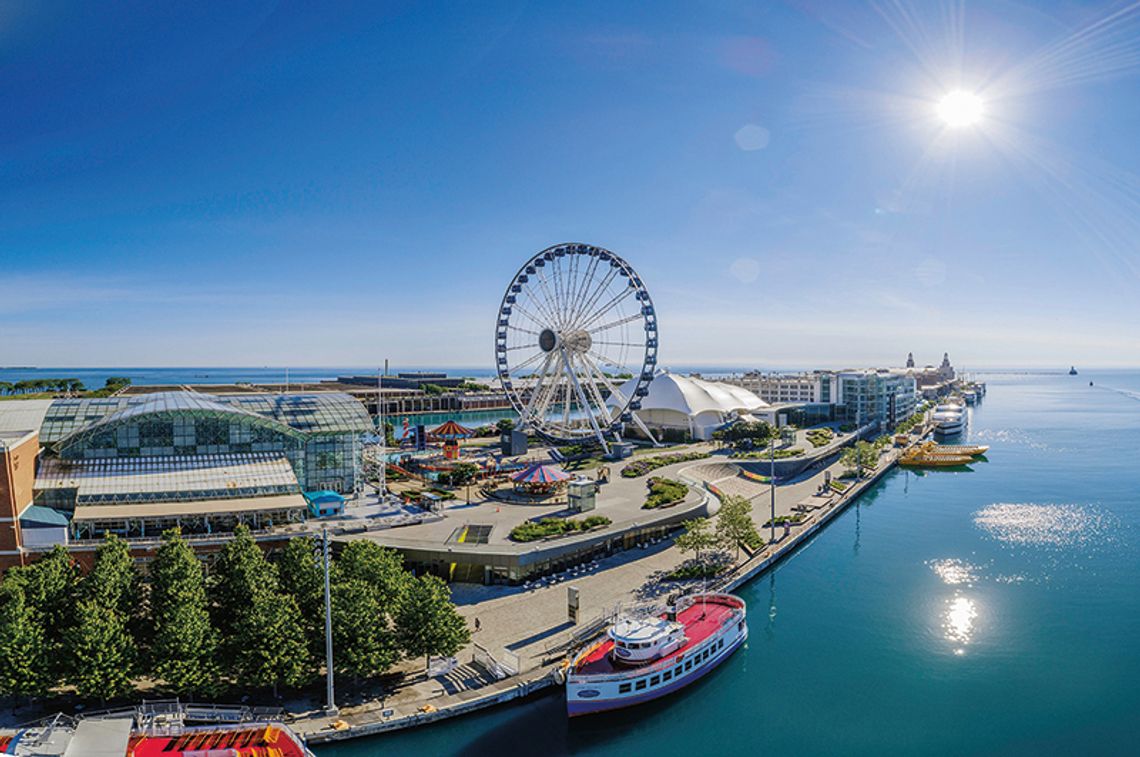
(540, 480)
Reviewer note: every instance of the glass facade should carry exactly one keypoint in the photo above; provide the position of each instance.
(319, 434)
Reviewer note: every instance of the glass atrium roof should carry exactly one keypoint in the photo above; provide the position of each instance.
(324, 413)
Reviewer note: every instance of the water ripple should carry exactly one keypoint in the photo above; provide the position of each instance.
(1047, 525)
(954, 572)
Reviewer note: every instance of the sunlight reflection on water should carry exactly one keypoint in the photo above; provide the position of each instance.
(1046, 525)
(953, 571)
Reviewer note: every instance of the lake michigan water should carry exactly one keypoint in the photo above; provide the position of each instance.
(989, 611)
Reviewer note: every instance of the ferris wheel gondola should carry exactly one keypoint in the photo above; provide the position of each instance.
(576, 324)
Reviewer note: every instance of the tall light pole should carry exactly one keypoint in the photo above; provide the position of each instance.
(772, 482)
(330, 707)
(383, 434)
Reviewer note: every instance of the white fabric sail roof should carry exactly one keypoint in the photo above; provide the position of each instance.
(691, 396)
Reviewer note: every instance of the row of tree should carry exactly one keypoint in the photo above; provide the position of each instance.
(31, 386)
(251, 623)
(72, 385)
(732, 527)
(862, 456)
(745, 434)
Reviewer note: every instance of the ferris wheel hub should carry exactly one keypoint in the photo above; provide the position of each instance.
(577, 340)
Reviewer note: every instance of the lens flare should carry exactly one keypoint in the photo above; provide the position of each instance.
(960, 108)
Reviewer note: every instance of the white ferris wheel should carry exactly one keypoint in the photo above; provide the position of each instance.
(576, 344)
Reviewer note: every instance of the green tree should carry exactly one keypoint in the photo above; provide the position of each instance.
(734, 524)
(698, 537)
(300, 575)
(849, 459)
(271, 648)
(240, 572)
(24, 669)
(6, 387)
(464, 473)
(113, 581)
(101, 652)
(427, 622)
(380, 568)
(182, 650)
(363, 643)
(51, 589)
(504, 425)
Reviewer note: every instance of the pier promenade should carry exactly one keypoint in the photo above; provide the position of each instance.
(528, 628)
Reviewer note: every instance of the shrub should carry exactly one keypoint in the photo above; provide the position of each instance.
(645, 465)
(838, 486)
(763, 454)
(664, 492)
(697, 569)
(780, 520)
(820, 437)
(540, 529)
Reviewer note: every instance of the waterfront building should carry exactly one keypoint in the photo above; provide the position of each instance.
(864, 396)
(138, 464)
(816, 387)
(881, 396)
(931, 381)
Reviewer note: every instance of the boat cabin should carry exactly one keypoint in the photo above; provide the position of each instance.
(640, 640)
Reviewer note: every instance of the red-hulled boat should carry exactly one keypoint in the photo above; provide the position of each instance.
(641, 659)
(133, 735)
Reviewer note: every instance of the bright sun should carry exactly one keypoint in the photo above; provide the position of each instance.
(960, 108)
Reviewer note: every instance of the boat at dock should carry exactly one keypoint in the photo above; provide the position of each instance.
(932, 455)
(642, 659)
(949, 419)
(157, 730)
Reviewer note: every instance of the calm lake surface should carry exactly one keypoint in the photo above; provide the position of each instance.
(989, 611)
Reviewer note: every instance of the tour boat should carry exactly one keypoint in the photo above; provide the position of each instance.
(641, 659)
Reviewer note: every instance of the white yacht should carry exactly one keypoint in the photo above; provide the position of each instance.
(949, 419)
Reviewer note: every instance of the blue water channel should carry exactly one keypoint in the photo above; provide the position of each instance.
(993, 610)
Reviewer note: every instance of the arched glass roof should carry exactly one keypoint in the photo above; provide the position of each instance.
(317, 413)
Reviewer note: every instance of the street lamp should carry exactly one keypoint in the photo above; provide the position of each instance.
(330, 706)
(772, 483)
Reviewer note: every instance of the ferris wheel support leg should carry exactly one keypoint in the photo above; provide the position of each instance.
(582, 400)
(645, 430)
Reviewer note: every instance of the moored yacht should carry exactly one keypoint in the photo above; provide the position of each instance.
(641, 659)
(949, 419)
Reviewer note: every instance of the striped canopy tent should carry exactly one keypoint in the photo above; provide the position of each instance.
(451, 431)
(540, 478)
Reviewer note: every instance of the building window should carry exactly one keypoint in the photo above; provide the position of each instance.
(668, 675)
(654, 680)
(641, 684)
(624, 688)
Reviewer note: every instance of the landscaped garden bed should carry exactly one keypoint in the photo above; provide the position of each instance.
(781, 520)
(533, 530)
(664, 492)
(644, 465)
(763, 454)
(820, 437)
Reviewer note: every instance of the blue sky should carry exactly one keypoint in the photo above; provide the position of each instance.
(277, 183)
